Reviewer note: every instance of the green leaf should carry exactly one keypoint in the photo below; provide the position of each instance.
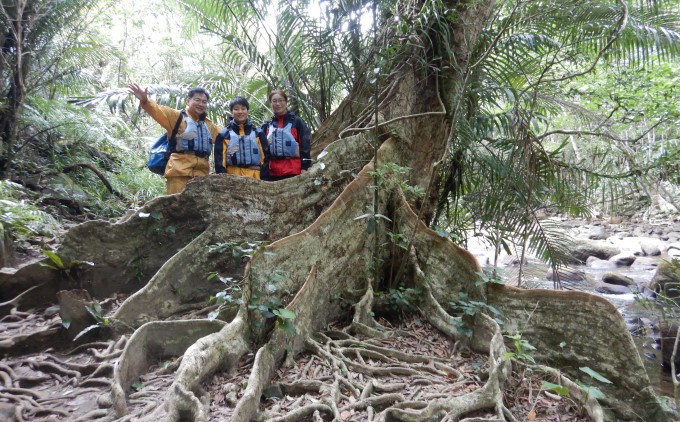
(54, 258)
(595, 375)
(137, 386)
(592, 391)
(287, 325)
(284, 313)
(96, 315)
(370, 227)
(442, 233)
(156, 215)
(559, 389)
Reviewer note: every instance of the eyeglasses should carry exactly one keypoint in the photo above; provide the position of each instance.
(278, 101)
(196, 100)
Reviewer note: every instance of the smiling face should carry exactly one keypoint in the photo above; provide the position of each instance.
(279, 104)
(240, 113)
(197, 104)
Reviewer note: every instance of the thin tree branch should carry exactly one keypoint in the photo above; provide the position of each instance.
(98, 173)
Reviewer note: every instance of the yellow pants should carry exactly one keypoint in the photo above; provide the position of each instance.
(176, 184)
(182, 168)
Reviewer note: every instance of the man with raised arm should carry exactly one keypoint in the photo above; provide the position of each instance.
(191, 147)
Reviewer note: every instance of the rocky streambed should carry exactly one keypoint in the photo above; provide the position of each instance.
(628, 264)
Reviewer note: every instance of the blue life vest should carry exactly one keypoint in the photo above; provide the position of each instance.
(243, 151)
(196, 137)
(282, 144)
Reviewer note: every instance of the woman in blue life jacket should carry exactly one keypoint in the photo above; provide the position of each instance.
(241, 147)
(191, 147)
(289, 140)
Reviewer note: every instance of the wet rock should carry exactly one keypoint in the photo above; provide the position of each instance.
(650, 248)
(617, 279)
(623, 260)
(666, 279)
(584, 248)
(674, 250)
(510, 261)
(672, 236)
(566, 274)
(645, 263)
(599, 264)
(611, 289)
(51, 311)
(597, 233)
(62, 187)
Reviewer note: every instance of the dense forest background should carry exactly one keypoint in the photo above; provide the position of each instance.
(594, 100)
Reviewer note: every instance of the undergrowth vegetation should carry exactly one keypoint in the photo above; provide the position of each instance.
(68, 155)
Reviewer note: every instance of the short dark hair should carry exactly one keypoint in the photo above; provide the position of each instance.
(194, 91)
(277, 91)
(238, 101)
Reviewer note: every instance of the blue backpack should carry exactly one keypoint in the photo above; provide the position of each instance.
(160, 152)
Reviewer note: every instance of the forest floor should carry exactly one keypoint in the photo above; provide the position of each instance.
(415, 364)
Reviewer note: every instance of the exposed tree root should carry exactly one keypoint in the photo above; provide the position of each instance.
(46, 384)
(174, 284)
(150, 343)
(10, 306)
(592, 406)
(553, 321)
(348, 387)
(32, 332)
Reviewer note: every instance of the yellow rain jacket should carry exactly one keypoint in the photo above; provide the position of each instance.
(183, 166)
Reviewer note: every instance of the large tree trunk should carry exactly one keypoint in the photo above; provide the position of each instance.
(13, 52)
(329, 248)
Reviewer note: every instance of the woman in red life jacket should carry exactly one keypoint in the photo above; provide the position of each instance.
(289, 141)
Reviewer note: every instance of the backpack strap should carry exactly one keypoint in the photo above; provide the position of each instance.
(172, 141)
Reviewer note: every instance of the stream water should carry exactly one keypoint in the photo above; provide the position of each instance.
(642, 315)
(640, 312)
